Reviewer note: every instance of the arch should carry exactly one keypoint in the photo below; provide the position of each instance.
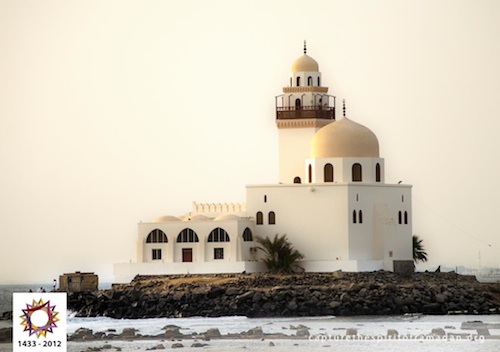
(259, 218)
(310, 173)
(377, 173)
(298, 81)
(297, 180)
(357, 173)
(247, 235)
(297, 103)
(400, 221)
(360, 217)
(309, 81)
(272, 218)
(406, 218)
(187, 235)
(354, 217)
(218, 235)
(328, 173)
(157, 236)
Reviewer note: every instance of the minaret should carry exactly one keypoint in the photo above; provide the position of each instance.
(302, 109)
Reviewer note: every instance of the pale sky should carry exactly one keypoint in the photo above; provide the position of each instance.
(113, 112)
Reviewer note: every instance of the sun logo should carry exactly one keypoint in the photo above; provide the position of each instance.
(39, 318)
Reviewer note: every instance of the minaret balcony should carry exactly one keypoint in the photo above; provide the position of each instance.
(305, 112)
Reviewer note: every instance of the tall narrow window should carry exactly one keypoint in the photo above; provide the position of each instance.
(309, 81)
(247, 235)
(291, 81)
(272, 218)
(265, 199)
(297, 180)
(357, 174)
(298, 81)
(377, 172)
(403, 198)
(297, 103)
(310, 173)
(319, 85)
(406, 218)
(360, 216)
(354, 216)
(260, 218)
(400, 221)
(328, 171)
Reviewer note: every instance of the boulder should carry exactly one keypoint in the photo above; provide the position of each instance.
(6, 335)
(172, 332)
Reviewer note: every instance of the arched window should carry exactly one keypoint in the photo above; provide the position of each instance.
(406, 218)
(187, 235)
(354, 216)
(310, 173)
(272, 218)
(218, 235)
(309, 81)
(357, 174)
(377, 172)
(265, 198)
(260, 218)
(298, 81)
(297, 180)
(297, 103)
(319, 85)
(360, 216)
(247, 235)
(328, 170)
(157, 236)
(400, 221)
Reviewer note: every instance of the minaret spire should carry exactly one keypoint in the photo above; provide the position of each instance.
(305, 47)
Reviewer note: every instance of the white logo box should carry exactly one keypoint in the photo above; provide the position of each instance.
(39, 321)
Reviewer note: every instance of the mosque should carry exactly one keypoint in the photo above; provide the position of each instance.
(331, 200)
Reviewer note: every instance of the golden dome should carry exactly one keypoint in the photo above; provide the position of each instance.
(344, 138)
(305, 63)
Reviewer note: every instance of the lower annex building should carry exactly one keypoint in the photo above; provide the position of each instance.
(331, 201)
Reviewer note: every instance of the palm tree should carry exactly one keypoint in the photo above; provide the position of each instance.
(419, 253)
(280, 254)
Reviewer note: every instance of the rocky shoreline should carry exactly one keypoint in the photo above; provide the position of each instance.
(308, 294)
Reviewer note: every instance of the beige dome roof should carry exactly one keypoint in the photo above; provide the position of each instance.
(344, 138)
(305, 63)
(198, 217)
(166, 218)
(224, 217)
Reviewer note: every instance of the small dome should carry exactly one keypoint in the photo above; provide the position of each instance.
(225, 217)
(166, 218)
(305, 63)
(198, 217)
(344, 138)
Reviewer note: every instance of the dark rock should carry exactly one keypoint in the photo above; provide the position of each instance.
(438, 332)
(6, 335)
(177, 345)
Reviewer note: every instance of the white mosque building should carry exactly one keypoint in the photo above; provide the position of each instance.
(331, 200)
